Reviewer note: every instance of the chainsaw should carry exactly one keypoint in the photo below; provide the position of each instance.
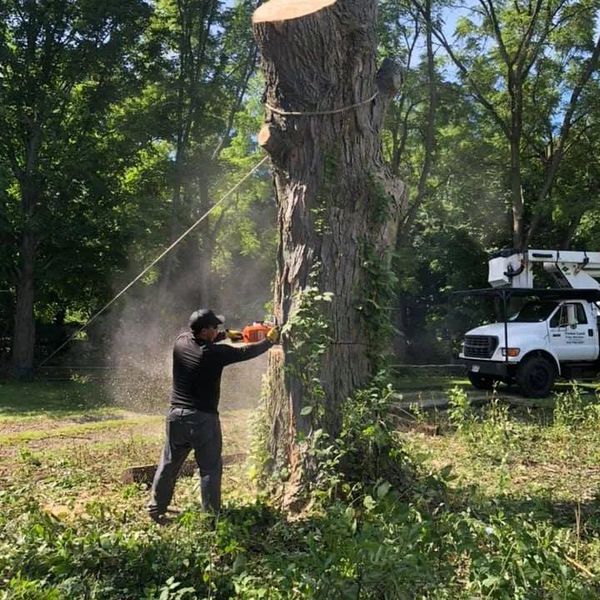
(254, 332)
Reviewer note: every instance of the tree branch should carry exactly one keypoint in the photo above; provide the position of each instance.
(478, 94)
(565, 129)
(490, 11)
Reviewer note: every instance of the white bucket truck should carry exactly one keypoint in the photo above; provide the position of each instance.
(555, 332)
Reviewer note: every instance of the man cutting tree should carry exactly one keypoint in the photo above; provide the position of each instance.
(193, 418)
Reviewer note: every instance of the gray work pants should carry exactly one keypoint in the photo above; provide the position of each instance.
(189, 430)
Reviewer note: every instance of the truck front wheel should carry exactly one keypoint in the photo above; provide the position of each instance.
(535, 377)
(481, 382)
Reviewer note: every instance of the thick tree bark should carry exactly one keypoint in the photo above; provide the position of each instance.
(338, 206)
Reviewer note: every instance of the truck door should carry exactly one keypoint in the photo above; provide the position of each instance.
(575, 341)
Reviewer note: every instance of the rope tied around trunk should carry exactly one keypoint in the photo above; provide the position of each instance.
(319, 113)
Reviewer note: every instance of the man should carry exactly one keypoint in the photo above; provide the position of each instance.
(193, 419)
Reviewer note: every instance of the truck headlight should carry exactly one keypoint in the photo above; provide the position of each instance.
(511, 352)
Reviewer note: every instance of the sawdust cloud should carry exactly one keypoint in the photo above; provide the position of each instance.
(142, 340)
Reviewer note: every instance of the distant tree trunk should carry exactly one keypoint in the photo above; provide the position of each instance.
(516, 183)
(24, 335)
(401, 337)
(338, 209)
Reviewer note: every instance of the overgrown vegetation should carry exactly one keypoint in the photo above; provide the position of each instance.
(309, 333)
(502, 504)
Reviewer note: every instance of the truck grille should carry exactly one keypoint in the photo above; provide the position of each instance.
(480, 346)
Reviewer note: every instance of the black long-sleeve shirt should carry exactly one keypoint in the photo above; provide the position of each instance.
(197, 368)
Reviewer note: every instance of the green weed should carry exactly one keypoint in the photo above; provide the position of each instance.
(573, 410)
(460, 412)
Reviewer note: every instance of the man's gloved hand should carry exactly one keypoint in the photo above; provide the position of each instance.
(273, 335)
(234, 335)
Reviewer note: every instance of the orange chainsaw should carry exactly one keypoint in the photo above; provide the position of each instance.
(255, 332)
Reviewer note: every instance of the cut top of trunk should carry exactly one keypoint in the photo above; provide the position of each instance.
(284, 10)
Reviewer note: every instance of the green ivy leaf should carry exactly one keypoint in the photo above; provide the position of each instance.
(369, 503)
(383, 489)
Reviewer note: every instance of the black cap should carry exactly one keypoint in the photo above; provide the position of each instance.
(204, 317)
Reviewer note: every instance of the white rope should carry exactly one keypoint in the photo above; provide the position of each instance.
(158, 258)
(286, 113)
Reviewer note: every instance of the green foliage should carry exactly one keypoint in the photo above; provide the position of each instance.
(259, 430)
(134, 106)
(378, 545)
(466, 211)
(377, 299)
(381, 201)
(96, 559)
(432, 534)
(308, 332)
(460, 412)
(498, 428)
(245, 226)
(488, 432)
(380, 280)
(370, 453)
(573, 410)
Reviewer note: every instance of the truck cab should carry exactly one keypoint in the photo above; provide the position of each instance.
(553, 334)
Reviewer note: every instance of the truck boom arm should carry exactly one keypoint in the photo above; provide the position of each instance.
(570, 268)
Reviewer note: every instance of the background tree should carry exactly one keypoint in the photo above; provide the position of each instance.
(61, 65)
(508, 51)
(125, 123)
(209, 56)
(469, 201)
(410, 133)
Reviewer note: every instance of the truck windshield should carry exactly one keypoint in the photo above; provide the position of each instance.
(534, 311)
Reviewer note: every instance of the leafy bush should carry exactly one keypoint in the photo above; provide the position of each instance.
(369, 451)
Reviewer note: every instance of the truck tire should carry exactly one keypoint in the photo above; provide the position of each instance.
(535, 377)
(481, 382)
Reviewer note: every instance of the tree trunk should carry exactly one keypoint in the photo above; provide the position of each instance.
(516, 183)
(338, 212)
(516, 193)
(24, 336)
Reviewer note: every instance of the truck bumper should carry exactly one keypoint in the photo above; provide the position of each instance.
(488, 367)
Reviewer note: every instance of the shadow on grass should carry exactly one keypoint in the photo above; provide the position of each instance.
(51, 398)
(582, 517)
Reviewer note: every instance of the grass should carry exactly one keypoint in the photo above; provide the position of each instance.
(39, 410)
(18, 400)
(534, 464)
(505, 504)
(73, 431)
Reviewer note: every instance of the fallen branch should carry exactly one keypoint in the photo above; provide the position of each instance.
(579, 566)
(145, 473)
